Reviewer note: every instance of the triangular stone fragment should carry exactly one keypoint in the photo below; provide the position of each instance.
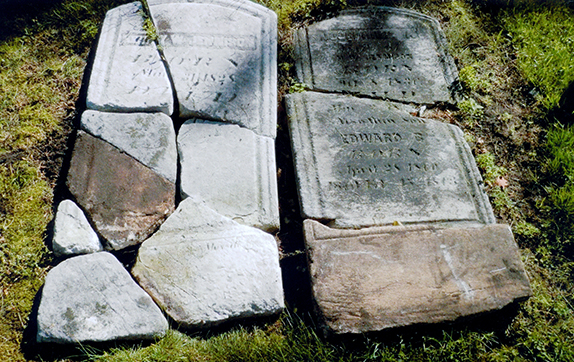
(232, 169)
(147, 137)
(204, 269)
(128, 74)
(73, 234)
(92, 298)
(222, 55)
(125, 200)
(385, 277)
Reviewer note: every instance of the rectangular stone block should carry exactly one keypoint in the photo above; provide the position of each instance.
(360, 163)
(128, 74)
(222, 55)
(382, 52)
(232, 169)
(385, 277)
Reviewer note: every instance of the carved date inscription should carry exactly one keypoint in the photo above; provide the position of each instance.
(366, 164)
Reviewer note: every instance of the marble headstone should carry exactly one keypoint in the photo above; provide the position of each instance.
(359, 163)
(232, 169)
(222, 57)
(381, 52)
(128, 74)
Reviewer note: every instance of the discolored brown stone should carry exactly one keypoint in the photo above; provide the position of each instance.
(384, 277)
(125, 200)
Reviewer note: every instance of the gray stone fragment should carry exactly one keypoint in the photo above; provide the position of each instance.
(92, 298)
(222, 56)
(385, 277)
(203, 268)
(128, 74)
(232, 169)
(147, 137)
(126, 200)
(359, 163)
(73, 234)
(380, 52)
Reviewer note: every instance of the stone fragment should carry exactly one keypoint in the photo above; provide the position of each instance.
(359, 163)
(125, 200)
(147, 137)
(380, 52)
(73, 234)
(232, 169)
(204, 269)
(128, 74)
(92, 298)
(222, 55)
(385, 277)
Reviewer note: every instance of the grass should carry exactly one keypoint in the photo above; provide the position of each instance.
(514, 62)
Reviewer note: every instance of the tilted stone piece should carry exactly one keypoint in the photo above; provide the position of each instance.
(360, 163)
(381, 52)
(222, 55)
(384, 277)
(147, 137)
(125, 200)
(232, 169)
(92, 298)
(73, 234)
(128, 74)
(204, 269)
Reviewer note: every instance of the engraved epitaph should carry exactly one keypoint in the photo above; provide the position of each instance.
(128, 74)
(380, 52)
(359, 163)
(223, 62)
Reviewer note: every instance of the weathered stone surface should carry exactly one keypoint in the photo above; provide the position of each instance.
(73, 234)
(203, 268)
(128, 74)
(360, 164)
(232, 169)
(93, 298)
(384, 277)
(383, 52)
(222, 57)
(147, 137)
(126, 200)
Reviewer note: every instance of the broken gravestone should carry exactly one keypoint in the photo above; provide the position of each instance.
(92, 298)
(384, 277)
(126, 200)
(128, 74)
(232, 169)
(223, 62)
(360, 163)
(147, 137)
(73, 234)
(203, 268)
(381, 52)
(363, 165)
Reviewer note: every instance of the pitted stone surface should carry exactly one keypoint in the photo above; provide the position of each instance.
(147, 137)
(92, 298)
(128, 74)
(73, 234)
(203, 268)
(232, 169)
(384, 277)
(125, 199)
(381, 52)
(222, 57)
(360, 164)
